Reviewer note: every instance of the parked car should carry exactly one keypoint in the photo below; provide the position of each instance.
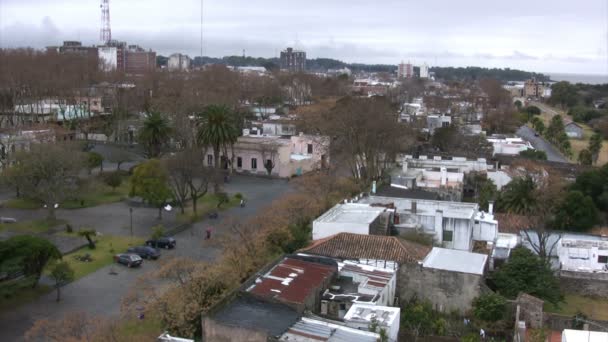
(146, 252)
(128, 259)
(213, 215)
(8, 220)
(163, 242)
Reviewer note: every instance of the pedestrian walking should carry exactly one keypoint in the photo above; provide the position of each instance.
(208, 233)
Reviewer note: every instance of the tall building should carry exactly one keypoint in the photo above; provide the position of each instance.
(138, 60)
(178, 62)
(293, 60)
(424, 71)
(405, 70)
(533, 88)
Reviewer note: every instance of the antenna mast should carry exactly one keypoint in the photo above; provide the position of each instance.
(106, 32)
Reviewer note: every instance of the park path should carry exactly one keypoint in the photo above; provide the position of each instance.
(100, 293)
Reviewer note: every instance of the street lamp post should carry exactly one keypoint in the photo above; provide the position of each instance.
(131, 216)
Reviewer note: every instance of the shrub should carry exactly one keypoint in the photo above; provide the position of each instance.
(68, 228)
(113, 179)
(489, 307)
(238, 196)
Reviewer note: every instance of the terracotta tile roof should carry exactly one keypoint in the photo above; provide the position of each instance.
(512, 223)
(358, 246)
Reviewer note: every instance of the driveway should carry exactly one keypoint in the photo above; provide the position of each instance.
(541, 144)
(100, 293)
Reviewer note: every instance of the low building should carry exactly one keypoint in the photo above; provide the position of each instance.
(446, 182)
(363, 316)
(460, 164)
(508, 145)
(276, 156)
(569, 335)
(437, 121)
(574, 130)
(278, 126)
(583, 253)
(358, 283)
(351, 218)
(451, 224)
(315, 330)
(13, 141)
(449, 279)
(296, 281)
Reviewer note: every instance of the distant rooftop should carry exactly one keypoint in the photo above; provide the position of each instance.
(359, 283)
(292, 280)
(456, 261)
(308, 329)
(583, 335)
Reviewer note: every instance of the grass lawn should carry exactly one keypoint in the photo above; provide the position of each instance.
(35, 226)
(92, 194)
(593, 307)
(107, 246)
(204, 206)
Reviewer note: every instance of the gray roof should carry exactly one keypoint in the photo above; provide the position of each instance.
(456, 261)
(247, 312)
(324, 331)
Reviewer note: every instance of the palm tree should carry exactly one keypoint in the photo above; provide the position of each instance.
(518, 196)
(154, 134)
(217, 129)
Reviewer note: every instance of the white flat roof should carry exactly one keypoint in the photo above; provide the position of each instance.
(351, 213)
(459, 210)
(385, 315)
(455, 260)
(582, 335)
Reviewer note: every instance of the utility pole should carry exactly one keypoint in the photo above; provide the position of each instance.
(131, 215)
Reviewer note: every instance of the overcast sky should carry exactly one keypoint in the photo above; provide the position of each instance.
(539, 35)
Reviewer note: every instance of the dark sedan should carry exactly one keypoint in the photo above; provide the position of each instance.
(128, 259)
(145, 252)
(163, 242)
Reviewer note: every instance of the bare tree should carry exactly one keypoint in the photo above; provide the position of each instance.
(269, 152)
(188, 177)
(49, 173)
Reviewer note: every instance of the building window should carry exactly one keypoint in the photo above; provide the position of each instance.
(209, 160)
(448, 235)
(254, 164)
(309, 148)
(239, 162)
(602, 259)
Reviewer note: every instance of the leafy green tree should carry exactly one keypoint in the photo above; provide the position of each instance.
(61, 273)
(577, 212)
(555, 130)
(518, 104)
(113, 180)
(585, 157)
(563, 94)
(158, 231)
(27, 253)
(538, 125)
(533, 154)
(417, 318)
(217, 129)
(518, 196)
(154, 134)
(526, 272)
(594, 183)
(94, 160)
(532, 110)
(149, 181)
(490, 307)
(595, 146)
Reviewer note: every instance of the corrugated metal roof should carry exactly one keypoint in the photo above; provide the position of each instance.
(456, 261)
(292, 280)
(314, 330)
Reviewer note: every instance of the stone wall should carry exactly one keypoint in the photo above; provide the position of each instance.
(582, 286)
(216, 332)
(447, 291)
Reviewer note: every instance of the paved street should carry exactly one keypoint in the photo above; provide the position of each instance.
(541, 144)
(100, 293)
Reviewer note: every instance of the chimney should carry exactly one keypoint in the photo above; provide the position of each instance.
(444, 176)
(414, 207)
(491, 207)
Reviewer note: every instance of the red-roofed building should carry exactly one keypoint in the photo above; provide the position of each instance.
(296, 282)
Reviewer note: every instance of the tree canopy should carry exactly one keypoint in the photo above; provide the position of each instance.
(149, 181)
